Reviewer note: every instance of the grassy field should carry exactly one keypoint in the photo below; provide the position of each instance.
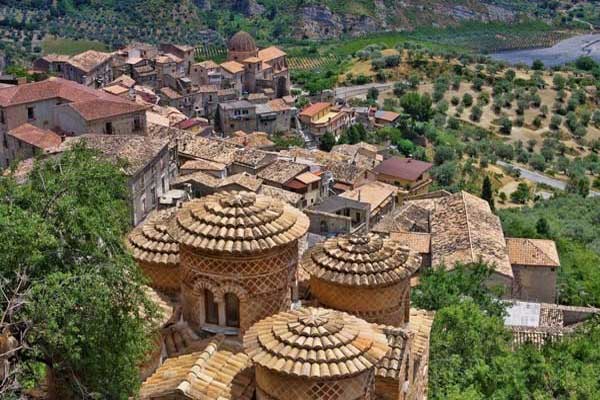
(70, 46)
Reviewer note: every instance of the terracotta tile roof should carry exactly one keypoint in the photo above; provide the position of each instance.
(282, 171)
(350, 150)
(419, 242)
(233, 67)
(464, 229)
(392, 363)
(208, 64)
(308, 178)
(170, 93)
(167, 58)
(403, 168)
(189, 123)
(292, 343)
(208, 89)
(255, 140)
(270, 53)
(216, 373)
(252, 60)
(203, 165)
(166, 308)
(100, 109)
(361, 260)
(278, 105)
(136, 150)
(208, 149)
(313, 109)
(198, 177)
(124, 80)
(317, 156)
(420, 324)
(238, 223)
(411, 217)
(151, 242)
(252, 158)
(37, 137)
(117, 90)
(243, 179)
(374, 193)
(532, 252)
(344, 172)
(286, 196)
(388, 116)
(89, 60)
(56, 58)
(53, 88)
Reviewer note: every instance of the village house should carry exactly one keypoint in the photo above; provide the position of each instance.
(347, 176)
(308, 185)
(203, 184)
(386, 118)
(148, 166)
(216, 169)
(206, 73)
(68, 109)
(320, 118)
(281, 172)
(237, 116)
(535, 266)
(336, 215)
(461, 228)
(26, 141)
(381, 197)
(405, 173)
(91, 68)
(254, 140)
(184, 53)
(251, 161)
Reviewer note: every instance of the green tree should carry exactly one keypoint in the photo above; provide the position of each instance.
(542, 227)
(537, 65)
(327, 141)
(522, 194)
(87, 315)
(487, 192)
(417, 106)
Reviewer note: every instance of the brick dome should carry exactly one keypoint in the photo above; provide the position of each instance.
(238, 223)
(366, 260)
(242, 42)
(315, 343)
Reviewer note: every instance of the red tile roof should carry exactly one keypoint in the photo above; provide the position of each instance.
(314, 109)
(99, 109)
(93, 103)
(35, 136)
(403, 168)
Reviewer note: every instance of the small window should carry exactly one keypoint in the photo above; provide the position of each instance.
(108, 128)
(2, 118)
(30, 113)
(232, 310)
(211, 308)
(137, 123)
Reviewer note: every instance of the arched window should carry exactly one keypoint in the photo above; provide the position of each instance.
(211, 308)
(232, 310)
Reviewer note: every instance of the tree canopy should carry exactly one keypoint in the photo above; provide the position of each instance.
(75, 296)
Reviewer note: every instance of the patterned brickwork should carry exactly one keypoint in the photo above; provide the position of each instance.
(162, 277)
(275, 386)
(261, 282)
(383, 305)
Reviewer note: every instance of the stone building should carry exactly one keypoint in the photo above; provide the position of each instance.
(66, 108)
(314, 353)
(156, 252)
(364, 275)
(91, 68)
(239, 254)
(535, 266)
(405, 173)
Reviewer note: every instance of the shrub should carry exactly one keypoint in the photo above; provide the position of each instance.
(455, 100)
(467, 100)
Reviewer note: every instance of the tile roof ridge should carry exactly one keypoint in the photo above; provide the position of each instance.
(464, 203)
(540, 250)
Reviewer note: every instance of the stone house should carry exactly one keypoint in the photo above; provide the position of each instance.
(148, 166)
(535, 266)
(307, 185)
(67, 108)
(381, 197)
(348, 176)
(206, 73)
(90, 68)
(26, 141)
(251, 161)
(336, 215)
(405, 173)
(237, 116)
(281, 172)
(184, 53)
(386, 118)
